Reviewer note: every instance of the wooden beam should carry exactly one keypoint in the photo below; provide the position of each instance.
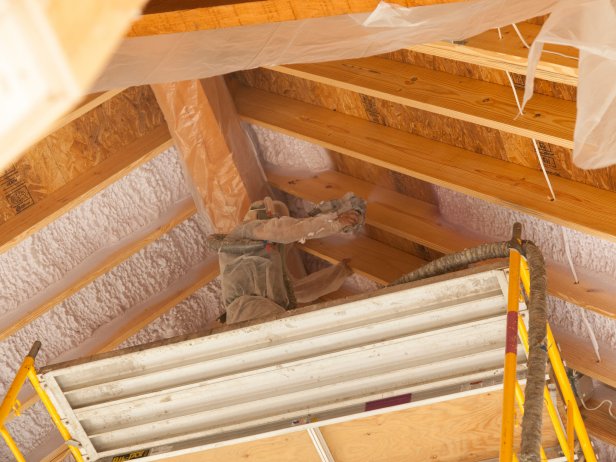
(68, 42)
(365, 255)
(193, 15)
(219, 158)
(587, 209)
(545, 118)
(88, 32)
(17, 319)
(75, 162)
(579, 354)
(599, 422)
(420, 222)
(509, 54)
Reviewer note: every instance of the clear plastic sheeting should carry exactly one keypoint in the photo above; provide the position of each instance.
(219, 160)
(589, 25)
(183, 56)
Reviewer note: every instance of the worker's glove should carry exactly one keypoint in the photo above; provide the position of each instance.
(347, 202)
(350, 208)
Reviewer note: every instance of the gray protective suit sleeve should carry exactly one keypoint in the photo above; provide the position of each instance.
(286, 230)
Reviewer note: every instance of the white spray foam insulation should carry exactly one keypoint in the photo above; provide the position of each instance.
(191, 315)
(587, 252)
(114, 213)
(285, 151)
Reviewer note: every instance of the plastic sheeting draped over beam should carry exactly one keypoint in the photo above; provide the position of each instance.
(587, 24)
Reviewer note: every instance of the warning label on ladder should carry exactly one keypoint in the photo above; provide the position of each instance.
(131, 456)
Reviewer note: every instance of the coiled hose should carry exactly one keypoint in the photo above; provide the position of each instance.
(537, 357)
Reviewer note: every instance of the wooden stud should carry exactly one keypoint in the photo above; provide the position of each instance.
(579, 206)
(547, 119)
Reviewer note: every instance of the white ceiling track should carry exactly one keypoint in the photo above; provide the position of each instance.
(434, 340)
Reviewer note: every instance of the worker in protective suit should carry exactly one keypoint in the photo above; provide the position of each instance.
(255, 278)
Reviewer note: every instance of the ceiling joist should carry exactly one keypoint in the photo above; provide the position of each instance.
(491, 105)
(17, 319)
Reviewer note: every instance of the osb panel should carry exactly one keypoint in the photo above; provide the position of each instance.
(77, 147)
(383, 177)
(544, 87)
(466, 135)
(461, 430)
(401, 244)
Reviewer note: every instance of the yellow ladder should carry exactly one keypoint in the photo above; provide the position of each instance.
(512, 392)
(10, 402)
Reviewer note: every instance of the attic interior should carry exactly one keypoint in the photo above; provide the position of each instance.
(188, 111)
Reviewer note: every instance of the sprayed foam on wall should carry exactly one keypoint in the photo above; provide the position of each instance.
(114, 213)
(587, 252)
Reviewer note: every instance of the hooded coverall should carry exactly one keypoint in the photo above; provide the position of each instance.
(253, 284)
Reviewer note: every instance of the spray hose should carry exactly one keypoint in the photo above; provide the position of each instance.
(537, 356)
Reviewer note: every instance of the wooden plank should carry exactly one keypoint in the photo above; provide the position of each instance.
(69, 153)
(219, 158)
(284, 448)
(372, 259)
(578, 206)
(461, 430)
(193, 15)
(508, 53)
(421, 222)
(547, 119)
(83, 187)
(17, 319)
(598, 421)
(465, 135)
(579, 354)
